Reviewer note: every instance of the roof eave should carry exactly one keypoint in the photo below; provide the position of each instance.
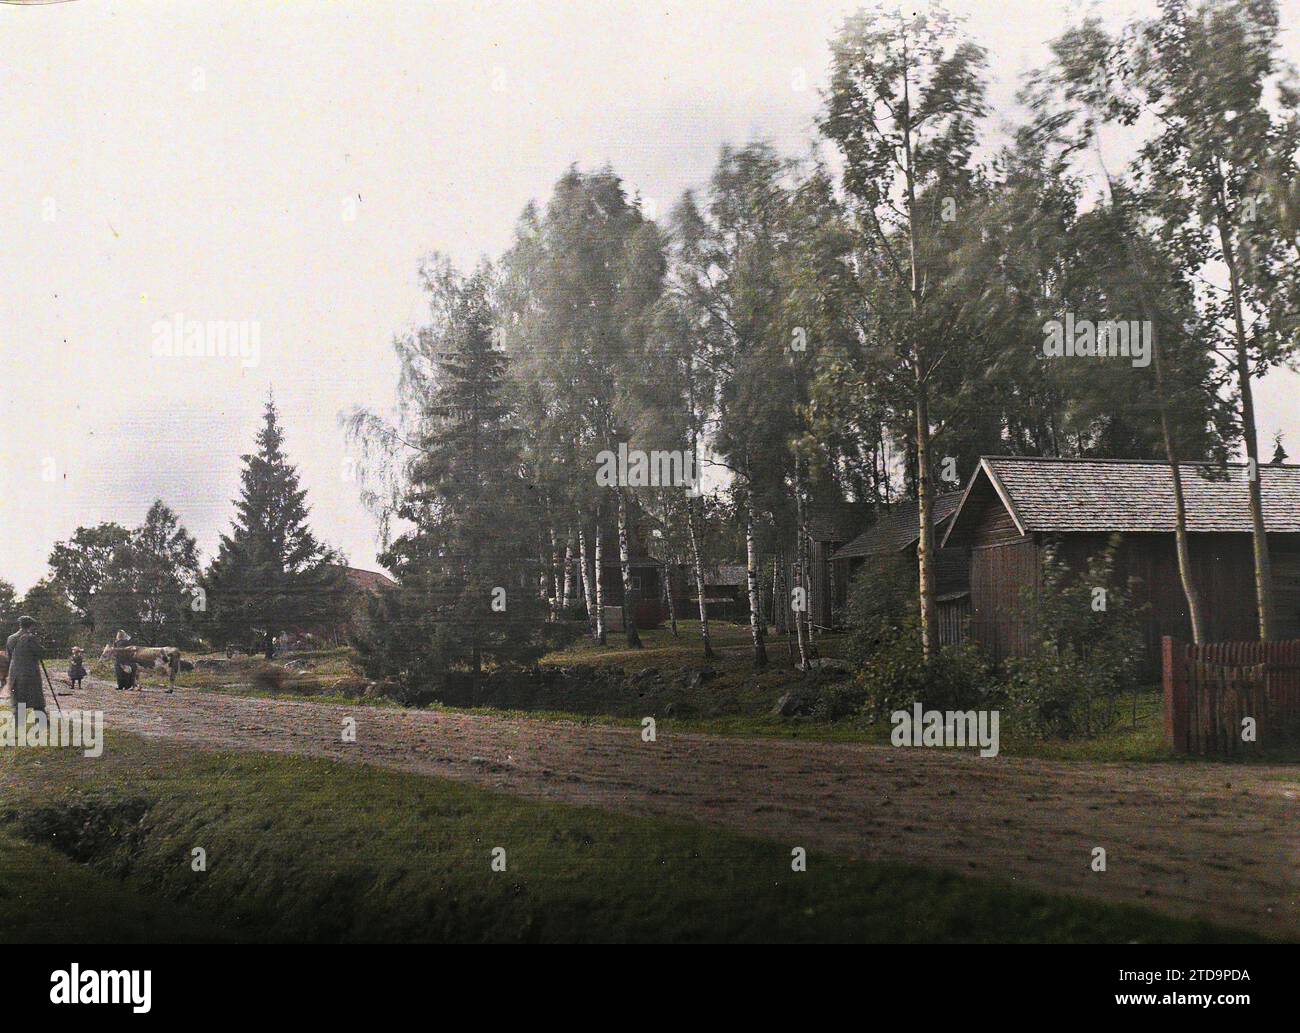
(998, 487)
(1004, 496)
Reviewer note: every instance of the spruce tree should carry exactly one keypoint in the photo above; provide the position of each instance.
(466, 569)
(271, 574)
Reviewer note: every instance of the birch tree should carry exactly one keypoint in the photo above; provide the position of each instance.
(903, 105)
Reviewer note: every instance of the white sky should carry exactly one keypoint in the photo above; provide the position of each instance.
(199, 158)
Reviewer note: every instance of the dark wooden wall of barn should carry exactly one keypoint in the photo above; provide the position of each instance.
(1004, 580)
(1003, 565)
(1222, 565)
(822, 582)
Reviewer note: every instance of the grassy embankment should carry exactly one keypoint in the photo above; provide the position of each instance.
(308, 850)
(737, 700)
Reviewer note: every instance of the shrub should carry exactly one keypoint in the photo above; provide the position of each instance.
(898, 675)
(269, 677)
(882, 601)
(1087, 657)
(839, 700)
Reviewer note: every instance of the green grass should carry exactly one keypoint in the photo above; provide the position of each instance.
(46, 898)
(330, 677)
(308, 850)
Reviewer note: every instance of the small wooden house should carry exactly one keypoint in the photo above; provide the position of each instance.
(645, 573)
(357, 584)
(726, 593)
(1013, 506)
(831, 526)
(897, 533)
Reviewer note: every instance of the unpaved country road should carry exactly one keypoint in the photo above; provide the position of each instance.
(1209, 840)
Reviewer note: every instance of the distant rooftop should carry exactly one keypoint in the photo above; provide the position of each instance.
(899, 528)
(369, 580)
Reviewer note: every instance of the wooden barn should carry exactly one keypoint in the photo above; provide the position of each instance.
(726, 593)
(897, 533)
(831, 526)
(357, 584)
(1013, 506)
(645, 573)
(646, 577)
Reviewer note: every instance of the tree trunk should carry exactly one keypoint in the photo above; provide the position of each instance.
(600, 592)
(557, 576)
(567, 601)
(805, 575)
(925, 543)
(780, 601)
(800, 611)
(698, 564)
(668, 597)
(588, 592)
(751, 570)
(1181, 547)
(624, 564)
(782, 608)
(1259, 535)
(921, 399)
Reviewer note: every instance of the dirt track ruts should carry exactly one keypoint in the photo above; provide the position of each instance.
(1208, 840)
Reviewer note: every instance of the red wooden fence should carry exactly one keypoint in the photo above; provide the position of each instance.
(1211, 688)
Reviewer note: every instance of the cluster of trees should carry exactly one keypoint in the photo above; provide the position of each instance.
(140, 580)
(860, 325)
(47, 604)
(270, 573)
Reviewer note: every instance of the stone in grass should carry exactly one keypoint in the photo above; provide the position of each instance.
(795, 703)
(829, 667)
(383, 687)
(697, 676)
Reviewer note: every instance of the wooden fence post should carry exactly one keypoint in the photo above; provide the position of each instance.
(1174, 703)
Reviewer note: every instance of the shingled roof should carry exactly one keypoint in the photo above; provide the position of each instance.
(834, 521)
(899, 528)
(1101, 495)
(368, 580)
(727, 574)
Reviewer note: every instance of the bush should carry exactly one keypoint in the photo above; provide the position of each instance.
(955, 678)
(269, 677)
(882, 601)
(839, 700)
(1087, 658)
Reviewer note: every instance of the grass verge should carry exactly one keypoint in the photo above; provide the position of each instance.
(306, 850)
(736, 700)
(47, 898)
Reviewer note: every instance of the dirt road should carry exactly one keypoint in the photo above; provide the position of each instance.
(1214, 841)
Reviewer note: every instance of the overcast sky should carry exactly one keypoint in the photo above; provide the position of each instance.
(288, 163)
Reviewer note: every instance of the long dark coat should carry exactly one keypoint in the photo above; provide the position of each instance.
(125, 667)
(25, 655)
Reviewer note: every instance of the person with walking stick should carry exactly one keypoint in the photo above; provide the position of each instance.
(25, 656)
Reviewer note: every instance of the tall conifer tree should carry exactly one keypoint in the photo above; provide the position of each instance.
(271, 574)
